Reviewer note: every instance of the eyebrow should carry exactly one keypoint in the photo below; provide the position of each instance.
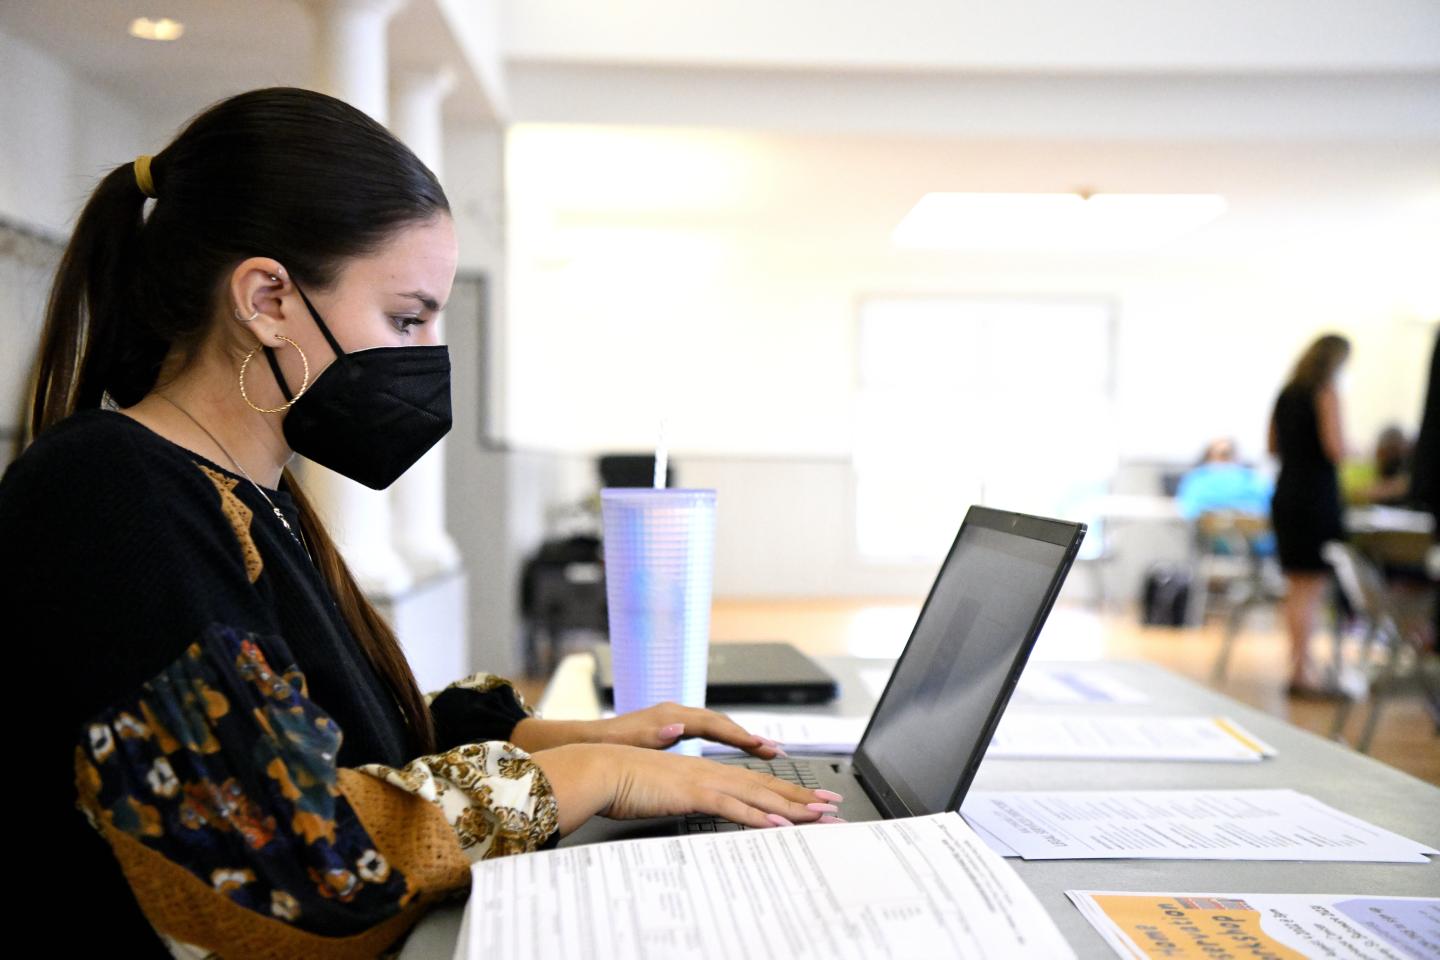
(427, 301)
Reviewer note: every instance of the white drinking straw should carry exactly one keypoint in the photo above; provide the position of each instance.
(662, 459)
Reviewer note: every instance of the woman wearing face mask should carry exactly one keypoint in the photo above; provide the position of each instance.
(1305, 435)
(223, 732)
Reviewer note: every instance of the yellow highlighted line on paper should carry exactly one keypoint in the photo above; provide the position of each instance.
(1226, 724)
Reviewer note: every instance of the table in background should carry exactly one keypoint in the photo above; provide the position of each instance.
(1328, 771)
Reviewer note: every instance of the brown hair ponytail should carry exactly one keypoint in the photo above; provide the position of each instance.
(285, 173)
(375, 635)
(81, 340)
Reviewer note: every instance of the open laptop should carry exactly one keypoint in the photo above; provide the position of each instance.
(933, 723)
(748, 673)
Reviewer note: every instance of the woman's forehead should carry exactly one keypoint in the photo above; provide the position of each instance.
(418, 259)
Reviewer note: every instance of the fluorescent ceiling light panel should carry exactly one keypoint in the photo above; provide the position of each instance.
(162, 29)
(1102, 222)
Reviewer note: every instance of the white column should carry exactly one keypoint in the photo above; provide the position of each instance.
(351, 64)
(352, 54)
(418, 506)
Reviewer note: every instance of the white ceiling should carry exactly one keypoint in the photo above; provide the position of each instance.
(1090, 37)
(844, 194)
(228, 47)
(834, 153)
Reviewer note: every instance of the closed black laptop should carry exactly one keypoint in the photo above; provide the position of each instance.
(751, 673)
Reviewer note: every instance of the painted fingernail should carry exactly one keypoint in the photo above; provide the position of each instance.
(831, 820)
(778, 821)
(780, 753)
(672, 730)
(830, 795)
(822, 807)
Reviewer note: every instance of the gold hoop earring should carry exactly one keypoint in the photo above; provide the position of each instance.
(284, 406)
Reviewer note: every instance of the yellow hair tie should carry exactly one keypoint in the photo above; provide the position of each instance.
(142, 176)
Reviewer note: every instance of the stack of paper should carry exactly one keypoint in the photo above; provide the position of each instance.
(1036, 736)
(1043, 684)
(1205, 926)
(1073, 685)
(1180, 825)
(1031, 736)
(809, 732)
(929, 887)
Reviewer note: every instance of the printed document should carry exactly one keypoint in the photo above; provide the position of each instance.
(1039, 736)
(1042, 684)
(928, 887)
(810, 732)
(1232, 926)
(1032, 736)
(1182, 825)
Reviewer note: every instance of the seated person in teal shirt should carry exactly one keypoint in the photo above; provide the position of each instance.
(1219, 482)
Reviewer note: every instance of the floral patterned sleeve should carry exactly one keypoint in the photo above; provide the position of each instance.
(216, 786)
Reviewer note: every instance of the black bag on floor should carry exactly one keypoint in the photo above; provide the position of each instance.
(1166, 596)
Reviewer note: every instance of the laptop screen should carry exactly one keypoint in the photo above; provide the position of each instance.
(933, 723)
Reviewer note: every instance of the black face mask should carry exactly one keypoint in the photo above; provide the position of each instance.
(372, 413)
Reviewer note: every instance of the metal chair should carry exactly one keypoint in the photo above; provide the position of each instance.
(1365, 588)
(562, 589)
(1227, 550)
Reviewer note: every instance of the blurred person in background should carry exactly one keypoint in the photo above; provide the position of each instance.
(1384, 480)
(1305, 434)
(1425, 479)
(1221, 482)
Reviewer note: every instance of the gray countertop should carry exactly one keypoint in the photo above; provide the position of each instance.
(1328, 771)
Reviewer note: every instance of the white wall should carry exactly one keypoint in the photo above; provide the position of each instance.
(752, 352)
(497, 498)
(763, 409)
(61, 135)
(701, 285)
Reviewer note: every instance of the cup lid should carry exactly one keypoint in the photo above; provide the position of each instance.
(654, 493)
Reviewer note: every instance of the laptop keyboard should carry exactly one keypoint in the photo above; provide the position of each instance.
(791, 770)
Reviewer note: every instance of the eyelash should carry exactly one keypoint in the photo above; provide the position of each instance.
(405, 322)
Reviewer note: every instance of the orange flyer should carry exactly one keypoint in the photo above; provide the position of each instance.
(1222, 926)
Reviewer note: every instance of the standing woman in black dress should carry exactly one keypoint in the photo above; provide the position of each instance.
(1305, 434)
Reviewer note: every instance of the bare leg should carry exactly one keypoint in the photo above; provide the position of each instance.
(1302, 601)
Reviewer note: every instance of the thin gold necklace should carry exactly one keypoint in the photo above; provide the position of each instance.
(244, 473)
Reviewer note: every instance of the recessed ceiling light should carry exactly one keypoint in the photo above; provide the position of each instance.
(1054, 221)
(162, 29)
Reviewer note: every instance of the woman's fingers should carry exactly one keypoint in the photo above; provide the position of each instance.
(712, 725)
(650, 783)
(664, 724)
(757, 809)
(722, 804)
(770, 795)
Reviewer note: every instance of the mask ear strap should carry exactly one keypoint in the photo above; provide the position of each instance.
(329, 338)
(279, 377)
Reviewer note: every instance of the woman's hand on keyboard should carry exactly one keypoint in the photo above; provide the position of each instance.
(656, 728)
(665, 724)
(627, 782)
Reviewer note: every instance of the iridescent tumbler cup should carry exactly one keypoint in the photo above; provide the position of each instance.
(659, 574)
